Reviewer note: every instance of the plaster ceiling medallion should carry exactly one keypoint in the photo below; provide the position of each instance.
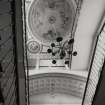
(49, 19)
(34, 47)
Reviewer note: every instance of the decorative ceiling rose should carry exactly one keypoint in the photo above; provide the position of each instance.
(49, 19)
(52, 19)
(34, 47)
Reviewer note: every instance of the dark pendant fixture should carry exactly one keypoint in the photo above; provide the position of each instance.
(61, 50)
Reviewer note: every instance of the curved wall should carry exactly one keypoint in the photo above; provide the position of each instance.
(57, 83)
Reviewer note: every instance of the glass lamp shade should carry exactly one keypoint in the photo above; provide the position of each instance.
(54, 62)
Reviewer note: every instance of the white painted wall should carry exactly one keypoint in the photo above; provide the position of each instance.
(55, 99)
(91, 14)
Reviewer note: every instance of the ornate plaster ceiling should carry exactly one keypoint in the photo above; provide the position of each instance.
(48, 19)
